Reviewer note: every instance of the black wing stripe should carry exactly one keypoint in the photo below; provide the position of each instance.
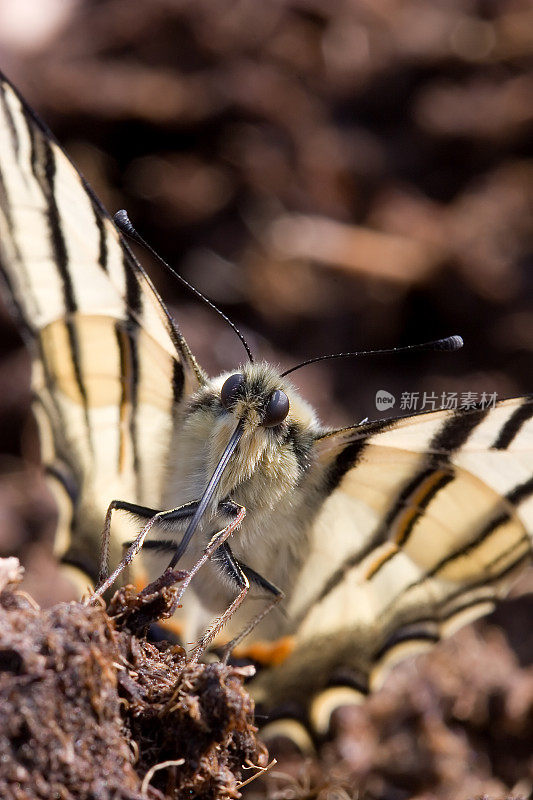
(485, 532)
(133, 383)
(34, 151)
(435, 486)
(350, 456)
(102, 238)
(402, 501)
(67, 481)
(485, 582)
(11, 294)
(453, 434)
(521, 492)
(5, 204)
(10, 122)
(133, 289)
(47, 184)
(134, 307)
(17, 309)
(351, 678)
(62, 264)
(178, 381)
(512, 427)
(411, 634)
(339, 574)
(427, 628)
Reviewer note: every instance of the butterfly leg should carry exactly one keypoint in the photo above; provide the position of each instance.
(237, 575)
(216, 541)
(253, 577)
(241, 575)
(117, 505)
(235, 510)
(153, 516)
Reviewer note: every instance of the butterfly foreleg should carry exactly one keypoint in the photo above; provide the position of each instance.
(218, 538)
(153, 516)
(232, 567)
(117, 505)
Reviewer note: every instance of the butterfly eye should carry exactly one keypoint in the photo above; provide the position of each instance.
(276, 410)
(230, 390)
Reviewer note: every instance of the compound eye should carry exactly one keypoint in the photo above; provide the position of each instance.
(230, 391)
(276, 410)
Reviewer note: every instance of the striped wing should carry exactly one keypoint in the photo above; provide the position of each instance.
(425, 523)
(110, 368)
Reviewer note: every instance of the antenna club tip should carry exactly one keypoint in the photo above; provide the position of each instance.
(455, 342)
(122, 220)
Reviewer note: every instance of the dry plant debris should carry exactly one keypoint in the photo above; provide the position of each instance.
(88, 708)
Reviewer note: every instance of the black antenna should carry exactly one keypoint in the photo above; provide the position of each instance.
(122, 221)
(449, 344)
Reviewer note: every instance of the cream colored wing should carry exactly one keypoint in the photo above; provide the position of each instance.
(425, 522)
(110, 368)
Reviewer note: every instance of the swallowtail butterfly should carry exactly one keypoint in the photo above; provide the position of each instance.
(383, 537)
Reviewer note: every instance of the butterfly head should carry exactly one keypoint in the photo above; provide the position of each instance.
(264, 402)
(247, 436)
(255, 397)
(265, 418)
(277, 428)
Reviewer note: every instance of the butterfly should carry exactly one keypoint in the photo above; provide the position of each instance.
(380, 538)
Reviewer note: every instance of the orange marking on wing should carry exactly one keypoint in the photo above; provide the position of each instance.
(388, 553)
(173, 626)
(140, 580)
(270, 654)
(416, 501)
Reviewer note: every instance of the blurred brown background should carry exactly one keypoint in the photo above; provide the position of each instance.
(335, 175)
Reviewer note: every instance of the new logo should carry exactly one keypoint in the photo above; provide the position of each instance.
(384, 400)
